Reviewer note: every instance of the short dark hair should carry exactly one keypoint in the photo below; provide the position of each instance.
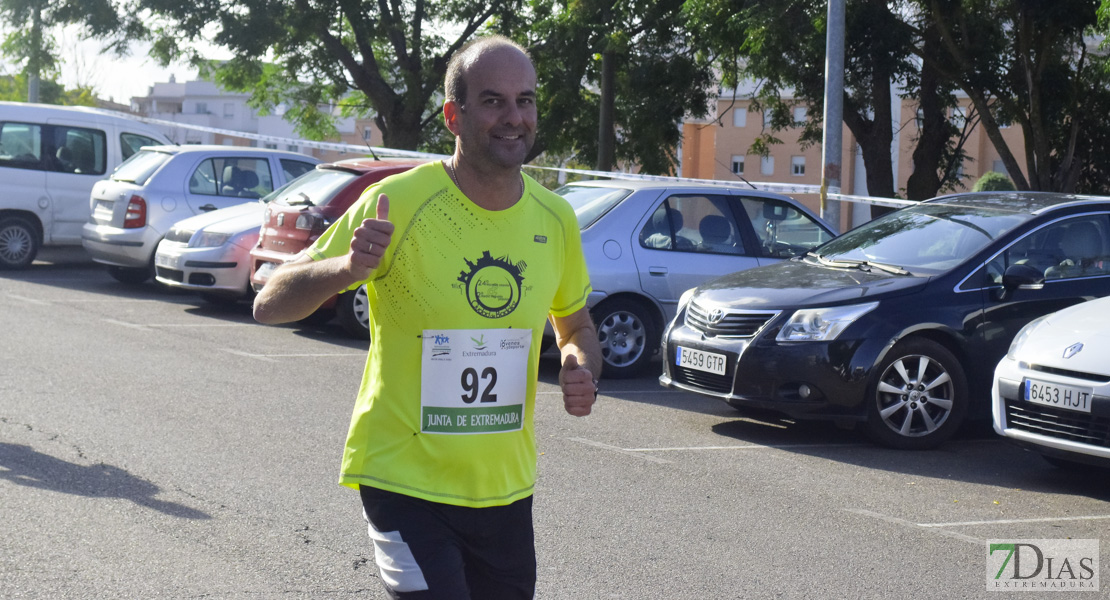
(461, 61)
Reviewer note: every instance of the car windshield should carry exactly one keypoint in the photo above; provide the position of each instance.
(315, 188)
(140, 166)
(925, 239)
(591, 202)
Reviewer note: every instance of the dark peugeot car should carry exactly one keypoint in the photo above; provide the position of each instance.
(897, 324)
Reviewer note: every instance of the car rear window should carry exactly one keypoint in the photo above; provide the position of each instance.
(140, 166)
(591, 202)
(315, 188)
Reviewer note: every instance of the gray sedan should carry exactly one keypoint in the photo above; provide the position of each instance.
(647, 242)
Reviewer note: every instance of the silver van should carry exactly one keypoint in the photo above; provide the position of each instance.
(50, 157)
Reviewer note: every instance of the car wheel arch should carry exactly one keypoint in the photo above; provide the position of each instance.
(33, 223)
(622, 360)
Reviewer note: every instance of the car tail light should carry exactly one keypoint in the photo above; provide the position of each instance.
(136, 213)
(310, 222)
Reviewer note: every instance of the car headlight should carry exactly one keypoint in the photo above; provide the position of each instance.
(209, 240)
(685, 298)
(1022, 335)
(822, 324)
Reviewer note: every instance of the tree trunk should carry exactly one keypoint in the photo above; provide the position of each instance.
(924, 182)
(606, 135)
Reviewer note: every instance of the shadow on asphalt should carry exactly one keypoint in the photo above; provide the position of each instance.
(22, 465)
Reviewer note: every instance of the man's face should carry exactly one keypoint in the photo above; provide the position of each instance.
(497, 124)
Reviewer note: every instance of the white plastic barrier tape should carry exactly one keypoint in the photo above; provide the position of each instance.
(781, 188)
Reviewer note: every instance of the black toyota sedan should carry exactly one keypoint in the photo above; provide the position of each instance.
(897, 324)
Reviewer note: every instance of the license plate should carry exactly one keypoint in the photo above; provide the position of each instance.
(700, 360)
(264, 271)
(1061, 396)
(168, 262)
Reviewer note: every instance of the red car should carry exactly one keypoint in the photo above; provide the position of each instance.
(303, 210)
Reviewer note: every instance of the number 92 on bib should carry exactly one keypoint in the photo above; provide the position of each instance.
(473, 381)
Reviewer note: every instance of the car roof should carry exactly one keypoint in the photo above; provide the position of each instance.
(641, 184)
(368, 164)
(1032, 203)
(217, 149)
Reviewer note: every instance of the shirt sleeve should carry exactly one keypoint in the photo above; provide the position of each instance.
(574, 288)
(336, 240)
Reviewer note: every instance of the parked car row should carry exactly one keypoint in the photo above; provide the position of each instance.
(899, 324)
(906, 326)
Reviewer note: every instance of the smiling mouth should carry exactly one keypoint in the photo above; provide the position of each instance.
(512, 138)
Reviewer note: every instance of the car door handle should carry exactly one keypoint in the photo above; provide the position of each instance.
(208, 207)
(657, 271)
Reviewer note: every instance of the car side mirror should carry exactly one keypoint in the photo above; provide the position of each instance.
(1020, 276)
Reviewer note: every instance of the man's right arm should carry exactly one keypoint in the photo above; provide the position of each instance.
(297, 289)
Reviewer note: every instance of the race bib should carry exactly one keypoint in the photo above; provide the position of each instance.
(473, 380)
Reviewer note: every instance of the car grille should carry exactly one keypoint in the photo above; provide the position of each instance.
(1059, 423)
(731, 323)
(171, 274)
(702, 380)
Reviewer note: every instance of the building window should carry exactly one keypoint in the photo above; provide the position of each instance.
(738, 165)
(270, 146)
(799, 115)
(292, 148)
(740, 118)
(766, 118)
(920, 119)
(767, 165)
(202, 108)
(1000, 167)
(959, 116)
(798, 165)
(367, 133)
(229, 110)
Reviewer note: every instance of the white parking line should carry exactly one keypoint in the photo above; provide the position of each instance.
(126, 324)
(912, 525)
(746, 447)
(274, 357)
(646, 457)
(29, 300)
(1014, 521)
(203, 325)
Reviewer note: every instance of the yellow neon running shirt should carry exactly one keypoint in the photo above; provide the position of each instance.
(455, 266)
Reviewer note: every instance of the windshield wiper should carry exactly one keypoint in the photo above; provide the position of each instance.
(863, 265)
(893, 269)
(304, 199)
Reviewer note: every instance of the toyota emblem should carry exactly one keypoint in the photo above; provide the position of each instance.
(716, 315)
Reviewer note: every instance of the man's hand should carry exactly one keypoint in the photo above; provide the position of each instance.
(370, 240)
(579, 391)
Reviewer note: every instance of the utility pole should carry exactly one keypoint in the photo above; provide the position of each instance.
(832, 144)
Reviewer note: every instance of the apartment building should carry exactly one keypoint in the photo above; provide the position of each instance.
(717, 148)
(205, 104)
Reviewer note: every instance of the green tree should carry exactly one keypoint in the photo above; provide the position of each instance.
(992, 181)
(1026, 63)
(30, 44)
(616, 78)
(781, 46)
(372, 58)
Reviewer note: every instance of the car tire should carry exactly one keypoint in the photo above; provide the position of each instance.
(627, 335)
(917, 397)
(353, 310)
(129, 275)
(19, 243)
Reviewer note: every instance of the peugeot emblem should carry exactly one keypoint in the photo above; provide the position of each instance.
(716, 315)
(1072, 350)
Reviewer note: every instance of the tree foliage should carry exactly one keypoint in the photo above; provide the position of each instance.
(659, 77)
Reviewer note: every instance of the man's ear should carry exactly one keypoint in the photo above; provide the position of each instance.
(451, 111)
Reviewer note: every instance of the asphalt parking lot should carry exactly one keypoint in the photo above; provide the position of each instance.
(155, 446)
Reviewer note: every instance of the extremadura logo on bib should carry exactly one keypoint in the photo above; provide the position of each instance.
(473, 380)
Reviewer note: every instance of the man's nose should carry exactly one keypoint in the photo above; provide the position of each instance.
(513, 114)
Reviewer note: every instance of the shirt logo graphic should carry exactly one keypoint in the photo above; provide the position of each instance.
(492, 285)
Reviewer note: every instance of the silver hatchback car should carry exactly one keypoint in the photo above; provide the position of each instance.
(161, 185)
(647, 242)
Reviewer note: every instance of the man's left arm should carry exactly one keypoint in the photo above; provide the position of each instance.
(581, 359)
